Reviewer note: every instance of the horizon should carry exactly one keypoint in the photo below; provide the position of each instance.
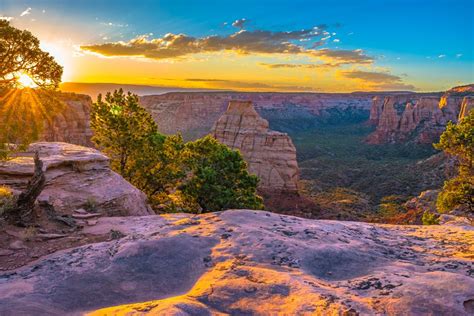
(341, 47)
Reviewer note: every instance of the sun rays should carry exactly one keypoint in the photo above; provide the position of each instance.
(24, 112)
(25, 81)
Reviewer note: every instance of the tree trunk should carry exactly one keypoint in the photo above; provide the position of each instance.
(22, 212)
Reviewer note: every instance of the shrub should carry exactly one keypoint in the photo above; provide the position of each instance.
(7, 199)
(430, 219)
(457, 192)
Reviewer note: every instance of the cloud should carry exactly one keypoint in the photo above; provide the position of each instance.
(304, 66)
(441, 56)
(240, 23)
(458, 55)
(342, 57)
(178, 45)
(377, 80)
(245, 85)
(26, 12)
(113, 24)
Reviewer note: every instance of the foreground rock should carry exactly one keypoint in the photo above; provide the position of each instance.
(250, 262)
(270, 155)
(418, 117)
(76, 178)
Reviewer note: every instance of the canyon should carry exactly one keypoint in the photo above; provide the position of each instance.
(341, 140)
(194, 113)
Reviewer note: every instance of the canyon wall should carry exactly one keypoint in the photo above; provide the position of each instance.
(270, 155)
(419, 118)
(72, 125)
(193, 114)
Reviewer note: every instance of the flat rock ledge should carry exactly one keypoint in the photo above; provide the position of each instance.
(243, 262)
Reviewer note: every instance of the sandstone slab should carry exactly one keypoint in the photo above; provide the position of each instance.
(76, 177)
(268, 264)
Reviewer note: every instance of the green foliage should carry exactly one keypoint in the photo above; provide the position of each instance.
(457, 192)
(220, 179)
(199, 176)
(430, 219)
(458, 141)
(124, 131)
(20, 52)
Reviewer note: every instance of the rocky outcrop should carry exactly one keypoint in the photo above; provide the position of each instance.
(419, 118)
(467, 106)
(76, 178)
(270, 155)
(72, 124)
(193, 114)
(242, 262)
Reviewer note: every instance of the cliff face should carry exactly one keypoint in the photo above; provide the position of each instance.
(72, 125)
(418, 117)
(193, 114)
(270, 155)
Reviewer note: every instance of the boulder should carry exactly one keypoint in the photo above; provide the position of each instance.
(270, 155)
(76, 177)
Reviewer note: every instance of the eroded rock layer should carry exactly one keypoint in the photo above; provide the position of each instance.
(76, 178)
(242, 262)
(194, 114)
(418, 117)
(270, 155)
(72, 125)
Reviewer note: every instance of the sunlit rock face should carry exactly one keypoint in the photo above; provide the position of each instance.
(194, 114)
(242, 262)
(418, 117)
(270, 155)
(72, 124)
(76, 178)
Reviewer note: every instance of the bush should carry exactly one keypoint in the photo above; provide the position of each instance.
(458, 141)
(457, 193)
(7, 200)
(430, 219)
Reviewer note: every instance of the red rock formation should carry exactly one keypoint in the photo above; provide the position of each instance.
(76, 177)
(72, 125)
(417, 117)
(270, 155)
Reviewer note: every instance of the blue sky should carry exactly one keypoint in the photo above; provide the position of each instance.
(428, 45)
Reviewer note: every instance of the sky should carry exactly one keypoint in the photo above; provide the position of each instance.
(314, 46)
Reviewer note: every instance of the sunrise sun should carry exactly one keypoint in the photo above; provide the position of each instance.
(25, 81)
